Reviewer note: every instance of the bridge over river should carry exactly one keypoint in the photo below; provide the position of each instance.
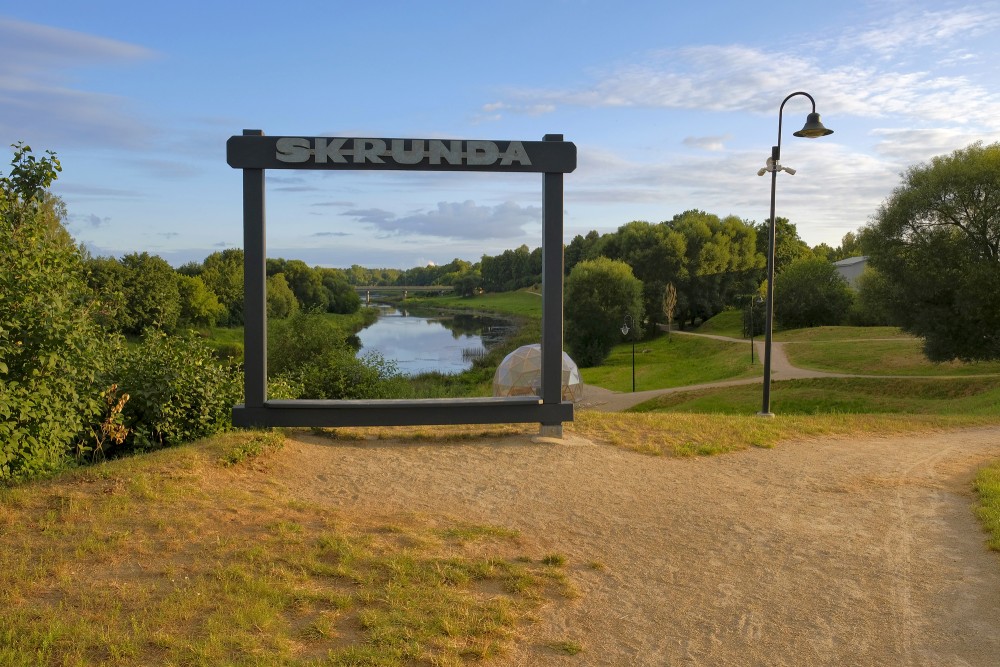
(366, 291)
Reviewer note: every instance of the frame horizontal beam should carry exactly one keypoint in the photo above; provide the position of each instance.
(402, 412)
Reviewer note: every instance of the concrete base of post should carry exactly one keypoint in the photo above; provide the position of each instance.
(551, 431)
(767, 415)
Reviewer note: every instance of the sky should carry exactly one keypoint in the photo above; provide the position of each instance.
(672, 106)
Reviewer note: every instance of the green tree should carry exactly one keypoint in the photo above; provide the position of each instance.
(222, 272)
(936, 239)
(850, 246)
(874, 292)
(152, 297)
(598, 295)
(107, 277)
(810, 292)
(51, 351)
(281, 301)
(341, 297)
(199, 305)
(788, 247)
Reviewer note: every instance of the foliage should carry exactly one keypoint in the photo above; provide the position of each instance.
(281, 301)
(178, 390)
(152, 298)
(199, 307)
(788, 246)
(311, 350)
(811, 292)
(51, 351)
(342, 298)
(599, 294)
(222, 272)
(873, 292)
(511, 270)
(936, 240)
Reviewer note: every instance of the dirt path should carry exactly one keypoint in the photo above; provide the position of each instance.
(827, 552)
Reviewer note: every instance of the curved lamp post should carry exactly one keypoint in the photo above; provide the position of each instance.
(625, 330)
(811, 130)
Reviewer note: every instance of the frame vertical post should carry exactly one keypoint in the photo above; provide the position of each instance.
(254, 285)
(552, 290)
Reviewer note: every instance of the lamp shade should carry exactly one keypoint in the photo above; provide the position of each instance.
(813, 128)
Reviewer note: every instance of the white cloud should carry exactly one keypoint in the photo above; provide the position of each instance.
(37, 99)
(455, 220)
(852, 75)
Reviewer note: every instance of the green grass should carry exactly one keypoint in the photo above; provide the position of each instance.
(817, 334)
(974, 397)
(673, 361)
(873, 356)
(727, 323)
(175, 558)
(522, 303)
(988, 488)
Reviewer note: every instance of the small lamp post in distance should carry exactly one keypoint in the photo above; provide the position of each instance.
(625, 329)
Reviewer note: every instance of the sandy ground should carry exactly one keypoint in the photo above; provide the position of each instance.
(829, 552)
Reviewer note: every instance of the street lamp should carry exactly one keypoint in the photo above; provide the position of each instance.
(811, 130)
(625, 330)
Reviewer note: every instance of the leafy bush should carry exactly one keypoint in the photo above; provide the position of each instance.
(51, 352)
(310, 349)
(178, 390)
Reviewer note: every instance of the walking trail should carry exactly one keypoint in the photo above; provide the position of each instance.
(821, 552)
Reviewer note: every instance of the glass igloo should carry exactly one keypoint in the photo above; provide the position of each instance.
(520, 374)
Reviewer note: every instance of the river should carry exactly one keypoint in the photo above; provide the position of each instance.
(424, 341)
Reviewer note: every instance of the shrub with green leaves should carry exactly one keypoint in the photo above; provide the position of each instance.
(311, 350)
(51, 352)
(178, 390)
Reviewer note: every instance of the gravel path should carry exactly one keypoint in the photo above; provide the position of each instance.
(829, 552)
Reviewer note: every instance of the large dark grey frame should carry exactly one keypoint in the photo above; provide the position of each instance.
(254, 153)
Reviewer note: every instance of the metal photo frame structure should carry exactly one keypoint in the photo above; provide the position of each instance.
(255, 153)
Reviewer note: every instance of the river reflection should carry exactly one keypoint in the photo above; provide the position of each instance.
(428, 341)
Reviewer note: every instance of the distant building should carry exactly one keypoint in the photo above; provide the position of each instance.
(851, 269)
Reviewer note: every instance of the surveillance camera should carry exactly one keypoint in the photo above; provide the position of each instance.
(762, 171)
(791, 172)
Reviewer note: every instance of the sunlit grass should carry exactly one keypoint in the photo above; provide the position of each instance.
(174, 558)
(971, 397)
(874, 356)
(988, 489)
(689, 434)
(673, 361)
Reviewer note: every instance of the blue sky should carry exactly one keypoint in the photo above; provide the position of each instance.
(672, 106)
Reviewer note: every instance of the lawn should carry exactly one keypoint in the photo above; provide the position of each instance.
(877, 356)
(522, 303)
(971, 397)
(673, 361)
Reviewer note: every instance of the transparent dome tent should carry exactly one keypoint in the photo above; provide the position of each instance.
(520, 374)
